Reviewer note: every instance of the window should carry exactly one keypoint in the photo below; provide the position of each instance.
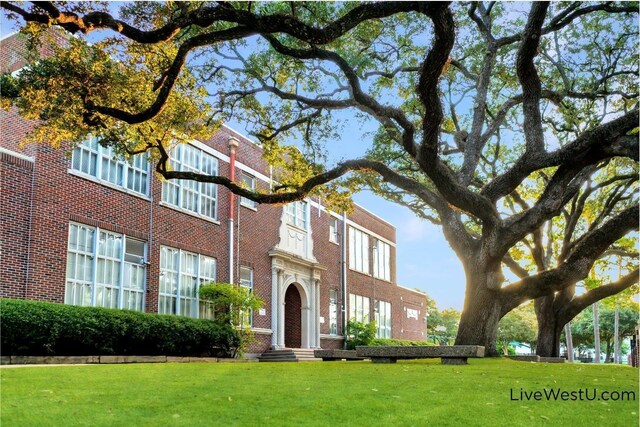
(358, 250)
(358, 308)
(333, 312)
(196, 197)
(297, 214)
(104, 269)
(181, 274)
(100, 162)
(333, 230)
(383, 319)
(246, 281)
(248, 182)
(382, 260)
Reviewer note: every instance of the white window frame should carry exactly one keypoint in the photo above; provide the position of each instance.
(93, 160)
(296, 214)
(250, 182)
(246, 318)
(333, 312)
(119, 269)
(358, 250)
(333, 229)
(183, 194)
(383, 319)
(174, 274)
(382, 260)
(359, 308)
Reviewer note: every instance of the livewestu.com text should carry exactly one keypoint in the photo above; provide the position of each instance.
(582, 394)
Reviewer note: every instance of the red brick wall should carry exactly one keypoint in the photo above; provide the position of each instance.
(403, 326)
(15, 206)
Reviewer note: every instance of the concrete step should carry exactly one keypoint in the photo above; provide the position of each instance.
(288, 355)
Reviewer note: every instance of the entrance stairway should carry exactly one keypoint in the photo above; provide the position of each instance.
(288, 355)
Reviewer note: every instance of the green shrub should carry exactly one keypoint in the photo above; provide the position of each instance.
(231, 303)
(37, 328)
(388, 342)
(360, 333)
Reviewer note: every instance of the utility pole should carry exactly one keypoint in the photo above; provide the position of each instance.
(616, 323)
(616, 337)
(596, 333)
(567, 334)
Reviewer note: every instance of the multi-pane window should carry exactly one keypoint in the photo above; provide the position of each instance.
(382, 260)
(192, 196)
(104, 269)
(249, 183)
(181, 274)
(297, 214)
(207, 275)
(333, 312)
(358, 250)
(358, 308)
(246, 281)
(383, 319)
(100, 162)
(333, 230)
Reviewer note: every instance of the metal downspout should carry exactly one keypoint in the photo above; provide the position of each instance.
(343, 278)
(233, 144)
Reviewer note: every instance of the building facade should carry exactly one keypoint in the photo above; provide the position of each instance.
(79, 226)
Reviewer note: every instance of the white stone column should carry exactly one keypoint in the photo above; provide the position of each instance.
(317, 316)
(281, 325)
(275, 281)
(311, 328)
(306, 326)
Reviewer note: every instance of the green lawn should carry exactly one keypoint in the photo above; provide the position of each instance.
(314, 393)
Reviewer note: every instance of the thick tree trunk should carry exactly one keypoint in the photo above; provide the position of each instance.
(549, 328)
(480, 317)
(549, 331)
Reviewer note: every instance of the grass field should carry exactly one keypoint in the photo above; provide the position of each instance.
(408, 393)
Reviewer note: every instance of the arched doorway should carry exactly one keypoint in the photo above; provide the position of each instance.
(292, 318)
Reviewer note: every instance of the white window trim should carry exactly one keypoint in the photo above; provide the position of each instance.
(251, 290)
(307, 218)
(179, 207)
(366, 315)
(179, 278)
(122, 188)
(94, 257)
(249, 204)
(389, 316)
(335, 236)
(330, 312)
(378, 244)
(352, 254)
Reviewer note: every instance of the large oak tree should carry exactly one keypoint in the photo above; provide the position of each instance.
(472, 100)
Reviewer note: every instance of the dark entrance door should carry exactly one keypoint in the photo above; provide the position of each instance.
(292, 318)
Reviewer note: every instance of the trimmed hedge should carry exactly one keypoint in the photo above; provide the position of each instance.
(37, 328)
(389, 342)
